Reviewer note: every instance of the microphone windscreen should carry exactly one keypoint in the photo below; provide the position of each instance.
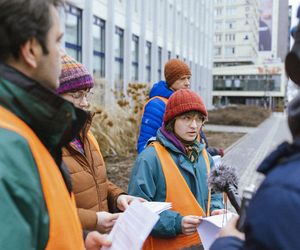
(221, 177)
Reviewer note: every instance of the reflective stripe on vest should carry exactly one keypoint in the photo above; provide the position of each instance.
(64, 229)
(165, 100)
(182, 199)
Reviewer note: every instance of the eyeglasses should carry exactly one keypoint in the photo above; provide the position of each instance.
(79, 95)
(188, 119)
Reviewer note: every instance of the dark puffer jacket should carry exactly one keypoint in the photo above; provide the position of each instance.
(273, 219)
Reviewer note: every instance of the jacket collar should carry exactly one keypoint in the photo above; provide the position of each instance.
(169, 145)
(54, 120)
(285, 152)
(160, 89)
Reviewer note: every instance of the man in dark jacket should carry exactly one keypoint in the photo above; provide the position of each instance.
(272, 220)
(37, 208)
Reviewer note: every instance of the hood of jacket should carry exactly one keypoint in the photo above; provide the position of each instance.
(160, 89)
(284, 152)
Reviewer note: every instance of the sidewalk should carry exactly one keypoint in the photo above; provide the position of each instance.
(248, 152)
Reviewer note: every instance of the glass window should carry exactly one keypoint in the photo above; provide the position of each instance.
(159, 61)
(73, 32)
(230, 24)
(218, 51)
(119, 59)
(218, 25)
(99, 47)
(229, 51)
(148, 61)
(218, 37)
(218, 11)
(135, 57)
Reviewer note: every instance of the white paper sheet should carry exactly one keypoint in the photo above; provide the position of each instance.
(132, 227)
(210, 227)
(157, 207)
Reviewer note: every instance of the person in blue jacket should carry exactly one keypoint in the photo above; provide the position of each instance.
(272, 220)
(177, 139)
(177, 74)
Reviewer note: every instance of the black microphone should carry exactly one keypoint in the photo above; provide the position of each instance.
(223, 178)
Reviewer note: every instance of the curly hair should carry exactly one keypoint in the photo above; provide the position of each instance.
(22, 20)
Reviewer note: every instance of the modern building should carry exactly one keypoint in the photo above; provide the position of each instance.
(249, 52)
(125, 41)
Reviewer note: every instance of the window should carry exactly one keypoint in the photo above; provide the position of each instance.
(230, 24)
(135, 57)
(119, 58)
(218, 51)
(231, 11)
(218, 37)
(229, 37)
(218, 11)
(159, 61)
(99, 47)
(73, 32)
(148, 61)
(229, 51)
(218, 25)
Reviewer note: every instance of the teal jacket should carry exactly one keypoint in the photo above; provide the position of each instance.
(23, 212)
(147, 181)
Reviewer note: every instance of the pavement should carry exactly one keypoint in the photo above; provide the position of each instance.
(249, 151)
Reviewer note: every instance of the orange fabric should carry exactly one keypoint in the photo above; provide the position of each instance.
(182, 199)
(64, 229)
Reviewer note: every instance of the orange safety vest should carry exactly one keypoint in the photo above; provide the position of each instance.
(182, 199)
(64, 229)
(165, 100)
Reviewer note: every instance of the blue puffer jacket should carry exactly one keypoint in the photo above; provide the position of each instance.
(153, 117)
(148, 181)
(273, 220)
(153, 114)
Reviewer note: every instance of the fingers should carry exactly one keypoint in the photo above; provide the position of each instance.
(189, 224)
(95, 240)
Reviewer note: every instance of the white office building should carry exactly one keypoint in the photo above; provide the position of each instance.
(251, 42)
(124, 41)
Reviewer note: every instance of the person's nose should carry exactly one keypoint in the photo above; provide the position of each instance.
(84, 102)
(194, 124)
(187, 83)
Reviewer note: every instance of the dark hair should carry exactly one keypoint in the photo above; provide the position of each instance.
(169, 126)
(22, 20)
(294, 116)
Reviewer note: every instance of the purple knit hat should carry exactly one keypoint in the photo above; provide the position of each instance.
(74, 76)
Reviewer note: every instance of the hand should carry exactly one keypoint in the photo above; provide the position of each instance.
(218, 211)
(105, 221)
(230, 229)
(189, 224)
(95, 240)
(124, 200)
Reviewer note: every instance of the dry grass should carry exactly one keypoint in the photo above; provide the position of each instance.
(240, 115)
(116, 129)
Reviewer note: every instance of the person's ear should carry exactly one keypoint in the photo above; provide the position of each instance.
(31, 52)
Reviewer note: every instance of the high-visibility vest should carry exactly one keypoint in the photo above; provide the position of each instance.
(165, 100)
(182, 199)
(64, 229)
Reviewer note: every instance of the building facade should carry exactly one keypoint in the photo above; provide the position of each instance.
(249, 57)
(125, 41)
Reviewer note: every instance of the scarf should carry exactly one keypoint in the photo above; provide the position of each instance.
(188, 148)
